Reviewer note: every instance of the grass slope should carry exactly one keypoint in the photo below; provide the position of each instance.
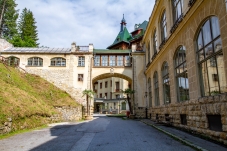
(28, 99)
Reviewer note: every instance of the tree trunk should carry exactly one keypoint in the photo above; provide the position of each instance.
(1, 17)
(129, 104)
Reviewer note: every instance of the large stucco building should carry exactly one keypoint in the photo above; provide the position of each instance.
(186, 65)
(178, 71)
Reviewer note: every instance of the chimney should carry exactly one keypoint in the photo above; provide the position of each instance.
(91, 47)
(73, 47)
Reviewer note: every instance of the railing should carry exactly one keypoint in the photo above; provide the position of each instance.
(82, 49)
(177, 22)
(191, 3)
(117, 90)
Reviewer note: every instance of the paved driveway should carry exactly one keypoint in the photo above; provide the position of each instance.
(101, 134)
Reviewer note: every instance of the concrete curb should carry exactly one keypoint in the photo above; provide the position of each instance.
(177, 138)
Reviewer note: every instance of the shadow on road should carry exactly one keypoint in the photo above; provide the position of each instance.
(63, 137)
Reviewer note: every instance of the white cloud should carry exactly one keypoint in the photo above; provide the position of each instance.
(60, 22)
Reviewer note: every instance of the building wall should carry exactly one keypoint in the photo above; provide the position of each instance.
(66, 77)
(197, 108)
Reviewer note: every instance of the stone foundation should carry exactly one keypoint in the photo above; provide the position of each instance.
(196, 112)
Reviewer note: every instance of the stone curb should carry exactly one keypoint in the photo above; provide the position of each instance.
(177, 138)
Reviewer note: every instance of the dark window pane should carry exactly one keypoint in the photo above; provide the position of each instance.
(208, 50)
(218, 45)
(200, 41)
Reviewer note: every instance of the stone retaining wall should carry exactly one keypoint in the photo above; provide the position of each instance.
(65, 114)
(196, 114)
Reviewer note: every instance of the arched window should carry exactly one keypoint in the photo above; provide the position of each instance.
(13, 61)
(149, 53)
(166, 85)
(177, 10)
(35, 61)
(155, 42)
(58, 62)
(181, 74)
(210, 58)
(156, 89)
(163, 26)
(149, 92)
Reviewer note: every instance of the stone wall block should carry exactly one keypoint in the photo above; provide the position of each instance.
(224, 128)
(223, 136)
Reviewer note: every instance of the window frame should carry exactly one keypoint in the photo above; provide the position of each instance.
(58, 62)
(209, 60)
(156, 88)
(166, 81)
(180, 63)
(150, 92)
(163, 25)
(39, 62)
(81, 61)
(80, 77)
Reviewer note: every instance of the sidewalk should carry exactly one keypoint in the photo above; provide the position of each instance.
(186, 138)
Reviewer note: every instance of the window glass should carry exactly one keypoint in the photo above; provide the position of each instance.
(206, 32)
(119, 60)
(215, 27)
(97, 60)
(127, 61)
(181, 74)
(156, 88)
(211, 63)
(155, 42)
(112, 61)
(35, 61)
(149, 92)
(166, 84)
(81, 61)
(163, 26)
(104, 60)
(57, 62)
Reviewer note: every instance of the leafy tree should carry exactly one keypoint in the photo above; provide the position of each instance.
(27, 29)
(8, 19)
(128, 92)
(89, 94)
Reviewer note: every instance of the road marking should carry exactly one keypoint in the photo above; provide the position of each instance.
(83, 143)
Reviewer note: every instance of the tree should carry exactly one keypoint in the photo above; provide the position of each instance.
(8, 19)
(27, 29)
(128, 92)
(89, 94)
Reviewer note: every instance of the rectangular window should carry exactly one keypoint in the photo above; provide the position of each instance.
(127, 61)
(104, 60)
(80, 77)
(112, 61)
(97, 61)
(119, 60)
(101, 85)
(111, 83)
(106, 95)
(183, 119)
(214, 122)
(110, 95)
(100, 95)
(106, 84)
(114, 105)
(81, 61)
(117, 87)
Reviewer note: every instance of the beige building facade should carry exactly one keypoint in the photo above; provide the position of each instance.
(186, 65)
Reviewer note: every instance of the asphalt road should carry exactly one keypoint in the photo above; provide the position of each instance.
(101, 134)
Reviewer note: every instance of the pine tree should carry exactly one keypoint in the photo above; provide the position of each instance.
(8, 18)
(27, 29)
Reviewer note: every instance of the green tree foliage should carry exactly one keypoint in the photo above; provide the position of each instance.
(129, 92)
(8, 19)
(27, 29)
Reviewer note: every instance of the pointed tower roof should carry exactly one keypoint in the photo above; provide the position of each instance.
(123, 35)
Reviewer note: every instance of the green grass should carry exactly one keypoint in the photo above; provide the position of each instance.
(28, 99)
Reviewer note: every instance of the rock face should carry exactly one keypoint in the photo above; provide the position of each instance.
(65, 114)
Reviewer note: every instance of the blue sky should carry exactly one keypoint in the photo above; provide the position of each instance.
(61, 22)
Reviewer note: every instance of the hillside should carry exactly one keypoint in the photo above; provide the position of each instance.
(28, 99)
